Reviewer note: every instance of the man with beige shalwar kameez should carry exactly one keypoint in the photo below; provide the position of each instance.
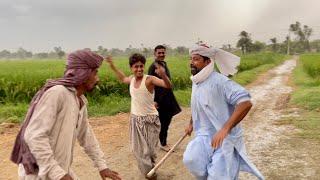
(56, 118)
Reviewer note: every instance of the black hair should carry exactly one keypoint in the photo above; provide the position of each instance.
(136, 57)
(159, 47)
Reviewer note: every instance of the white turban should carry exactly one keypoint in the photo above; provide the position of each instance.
(227, 63)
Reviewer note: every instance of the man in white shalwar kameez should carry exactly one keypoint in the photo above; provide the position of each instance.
(56, 118)
(218, 104)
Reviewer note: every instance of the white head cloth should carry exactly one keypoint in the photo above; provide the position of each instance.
(226, 62)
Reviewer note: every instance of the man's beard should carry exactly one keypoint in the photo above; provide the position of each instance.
(194, 70)
(90, 89)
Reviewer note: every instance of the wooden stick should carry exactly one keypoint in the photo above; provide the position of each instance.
(153, 170)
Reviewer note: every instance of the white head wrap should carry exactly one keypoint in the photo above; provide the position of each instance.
(226, 62)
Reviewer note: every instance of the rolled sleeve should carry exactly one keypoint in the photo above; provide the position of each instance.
(56, 172)
(235, 93)
(243, 99)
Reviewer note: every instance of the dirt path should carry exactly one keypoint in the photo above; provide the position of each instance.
(272, 147)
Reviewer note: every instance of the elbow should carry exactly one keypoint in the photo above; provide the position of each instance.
(122, 79)
(249, 105)
(27, 138)
(246, 105)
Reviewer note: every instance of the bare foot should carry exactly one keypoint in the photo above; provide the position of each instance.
(165, 148)
(153, 177)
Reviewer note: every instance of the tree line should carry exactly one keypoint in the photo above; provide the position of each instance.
(58, 53)
(297, 41)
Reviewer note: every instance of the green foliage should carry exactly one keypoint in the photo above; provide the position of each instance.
(183, 96)
(311, 64)
(308, 82)
(14, 113)
(110, 105)
(306, 95)
(251, 61)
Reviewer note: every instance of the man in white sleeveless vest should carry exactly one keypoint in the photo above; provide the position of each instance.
(144, 119)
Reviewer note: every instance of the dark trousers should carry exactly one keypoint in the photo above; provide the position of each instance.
(165, 120)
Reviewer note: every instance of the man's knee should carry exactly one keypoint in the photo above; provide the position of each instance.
(195, 166)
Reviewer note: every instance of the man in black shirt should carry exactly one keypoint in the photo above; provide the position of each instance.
(165, 101)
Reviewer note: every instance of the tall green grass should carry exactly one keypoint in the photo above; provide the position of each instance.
(307, 96)
(311, 64)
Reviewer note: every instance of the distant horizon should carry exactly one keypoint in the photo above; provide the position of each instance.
(109, 48)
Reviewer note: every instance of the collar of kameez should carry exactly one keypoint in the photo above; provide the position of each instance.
(203, 74)
(74, 90)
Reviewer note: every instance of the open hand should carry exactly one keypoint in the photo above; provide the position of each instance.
(66, 177)
(108, 173)
(218, 138)
(188, 130)
(109, 60)
(160, 70)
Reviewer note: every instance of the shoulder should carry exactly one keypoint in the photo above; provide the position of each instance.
(218, 78)
(56, 94)
(58, 89)
(149, 77)
(223, 82)
(152, 65)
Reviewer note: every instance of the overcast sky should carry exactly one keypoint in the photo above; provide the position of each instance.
(39, 25)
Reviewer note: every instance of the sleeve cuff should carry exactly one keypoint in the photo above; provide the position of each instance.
(102, 166)
(243, 99)
(56, 172)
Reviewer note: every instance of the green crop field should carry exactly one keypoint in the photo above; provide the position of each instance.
(20, 80)
(307, 96)
(311, 64)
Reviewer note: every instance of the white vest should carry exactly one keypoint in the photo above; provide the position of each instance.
(142, 101)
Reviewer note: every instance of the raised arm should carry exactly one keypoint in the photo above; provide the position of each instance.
(120, 75)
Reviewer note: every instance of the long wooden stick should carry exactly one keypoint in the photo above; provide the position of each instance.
(153, 170)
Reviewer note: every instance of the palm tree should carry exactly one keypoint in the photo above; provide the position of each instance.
(244, 42)
(303, 35)
(274, 44)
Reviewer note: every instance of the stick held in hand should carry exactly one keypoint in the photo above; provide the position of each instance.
(153, 170)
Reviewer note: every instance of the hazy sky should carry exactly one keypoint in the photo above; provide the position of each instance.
(39, 25)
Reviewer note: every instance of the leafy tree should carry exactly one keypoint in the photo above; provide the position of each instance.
(274, 44)
(302, 36)
(181, 50)
(60, 53)
(244, 42)
(23, 54)
(102, 51)
(42, 55)
(5, 54)
(257, 46)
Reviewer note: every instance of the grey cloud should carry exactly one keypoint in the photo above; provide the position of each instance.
(42, 24)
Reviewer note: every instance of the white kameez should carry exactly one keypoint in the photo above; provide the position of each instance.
(212, 103)
(56, 124)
